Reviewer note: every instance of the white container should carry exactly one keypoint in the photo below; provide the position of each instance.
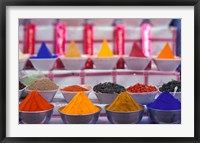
(43, 64)
(105, 63)
(167, 64)
(136, 63)
(68, 95)
(144, 98)
(74, 63)
(48, 95)
(105, 98)
(22, 63)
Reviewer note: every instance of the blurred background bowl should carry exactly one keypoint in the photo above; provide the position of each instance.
(37, 117)
(74, 63)
(22, 63)
(48, 95)
(144, 98)
(105, 98)
(136, 63)
(21, 91)
(132, 117)
(167, 64)
(43, 64)
(68, 95)
(80, 119)
(105, 63)
(164, 116)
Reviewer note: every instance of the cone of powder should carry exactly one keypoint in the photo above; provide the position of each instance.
(34, 102)
(124, 103)
(43, 85)
(136, 51)
(72, 51)
(105, 50)
(80, 105)
(166, 53)
(165, 101)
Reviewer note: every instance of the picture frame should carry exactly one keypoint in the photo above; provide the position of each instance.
(5, 3)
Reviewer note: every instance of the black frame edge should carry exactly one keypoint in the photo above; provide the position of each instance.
(3, 72)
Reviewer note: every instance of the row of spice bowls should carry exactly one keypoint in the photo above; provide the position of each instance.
(114, 117)
(133, 63)
(142, 98)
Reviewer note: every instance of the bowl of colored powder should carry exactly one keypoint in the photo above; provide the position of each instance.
(142, 94)
(70, 91)
(105, 59)
(170, 86)
(34, 109)
(73, 60)
(44, 60)
(21, 89)
(165, 109)
(166, 60)
(80, 110)
(45, 87)
(107, 92)
(124, 110)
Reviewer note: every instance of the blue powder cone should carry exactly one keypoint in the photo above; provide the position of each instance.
(44, 52)
(165, 101)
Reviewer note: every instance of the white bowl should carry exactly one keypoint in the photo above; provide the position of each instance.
(22, 63)
(167, 64)
(105, 98)
(105, 63)
(68, 95)
(136, 63)
(48, 95)
(20, 92)
(74, 63)
(43, 64)
(144, 98)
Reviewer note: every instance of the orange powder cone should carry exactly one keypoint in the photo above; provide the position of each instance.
(166, 53)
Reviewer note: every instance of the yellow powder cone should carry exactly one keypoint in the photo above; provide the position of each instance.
(72, 51)
(105, 50)
(80, 104)
(166, 53)
(124, 103)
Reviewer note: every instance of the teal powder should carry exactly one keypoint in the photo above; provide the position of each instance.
(165, 101)
(43, 53)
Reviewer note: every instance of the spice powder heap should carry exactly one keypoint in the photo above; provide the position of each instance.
(34, 102)
(140, 88)
(124, 103)
(44, 84)
(80, 104)
(74, 88)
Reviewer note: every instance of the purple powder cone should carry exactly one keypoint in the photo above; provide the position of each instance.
(165, 101)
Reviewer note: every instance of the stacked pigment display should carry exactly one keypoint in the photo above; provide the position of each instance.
(99, 71)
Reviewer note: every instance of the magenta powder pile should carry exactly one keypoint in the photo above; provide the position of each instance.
(165, 101)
